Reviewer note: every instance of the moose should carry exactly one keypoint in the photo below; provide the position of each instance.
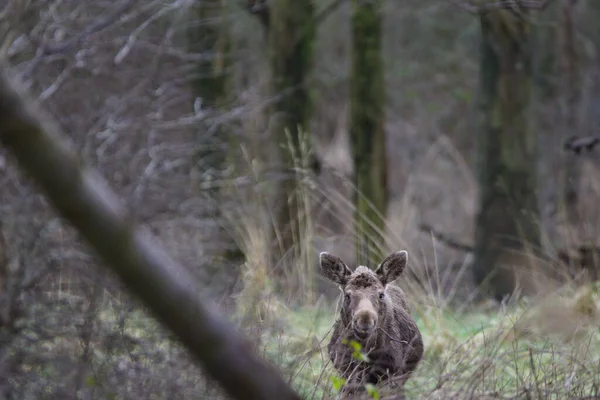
(375, 315)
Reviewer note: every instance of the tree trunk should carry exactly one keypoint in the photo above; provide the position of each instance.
(508, 221)
(291, 33)
(367, 135)
(591, 29)
(548, 120)
(570, 94)
(209, 35)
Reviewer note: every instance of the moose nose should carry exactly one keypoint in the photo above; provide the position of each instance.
(364, 322)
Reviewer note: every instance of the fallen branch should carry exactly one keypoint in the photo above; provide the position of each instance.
(448, 241)
(84, 199)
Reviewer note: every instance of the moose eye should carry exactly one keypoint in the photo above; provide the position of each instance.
(381, 295)
(347, 296)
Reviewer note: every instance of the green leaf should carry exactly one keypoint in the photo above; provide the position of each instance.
(355, 345)
(338, 382)
(372, 391)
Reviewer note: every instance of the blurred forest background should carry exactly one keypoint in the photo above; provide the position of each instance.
(252, 135)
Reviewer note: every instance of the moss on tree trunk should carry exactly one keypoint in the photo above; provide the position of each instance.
(508, 218)
(367, 113)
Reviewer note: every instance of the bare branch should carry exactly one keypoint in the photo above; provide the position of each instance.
(448, 241)
(577, 144)
(83, 198)
(514, 5)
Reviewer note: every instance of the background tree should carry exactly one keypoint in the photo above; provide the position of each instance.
(508, 219)
(367, 130)
(209, 35)
(547, 75)
(291, 35)
(570, 94)
(588, 36)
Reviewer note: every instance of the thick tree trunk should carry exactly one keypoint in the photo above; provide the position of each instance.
(548, 120)
(508, 222)
(559, 76)
(209, 35)
(367, 135)
(291, 32)
(589, 28)
(570, 100)
(593, 27)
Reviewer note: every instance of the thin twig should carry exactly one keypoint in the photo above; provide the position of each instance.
(55, 48)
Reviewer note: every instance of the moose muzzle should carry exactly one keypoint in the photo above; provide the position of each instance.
(365, 319)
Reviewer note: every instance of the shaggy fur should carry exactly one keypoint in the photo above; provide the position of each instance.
(394, 345)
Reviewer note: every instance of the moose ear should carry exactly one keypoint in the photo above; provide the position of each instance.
(334, 268)
(392, 267)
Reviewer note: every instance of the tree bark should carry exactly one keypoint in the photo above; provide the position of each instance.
(209, 35)
(508, 221)
(589, 28)
(548, 120)
(291, 34)
(570, 68)
(84, 199)
(367, 135)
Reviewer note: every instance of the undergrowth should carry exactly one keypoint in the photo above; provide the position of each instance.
(540, 348)
(543, 347)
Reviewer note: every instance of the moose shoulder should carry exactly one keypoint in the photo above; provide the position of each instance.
(374, 314)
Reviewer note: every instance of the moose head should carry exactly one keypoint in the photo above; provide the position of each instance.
(366, 303)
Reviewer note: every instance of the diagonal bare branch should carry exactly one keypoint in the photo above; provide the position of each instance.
(84, 199)
(447, 240)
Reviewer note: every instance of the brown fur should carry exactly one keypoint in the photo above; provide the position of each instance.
(394, 345)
